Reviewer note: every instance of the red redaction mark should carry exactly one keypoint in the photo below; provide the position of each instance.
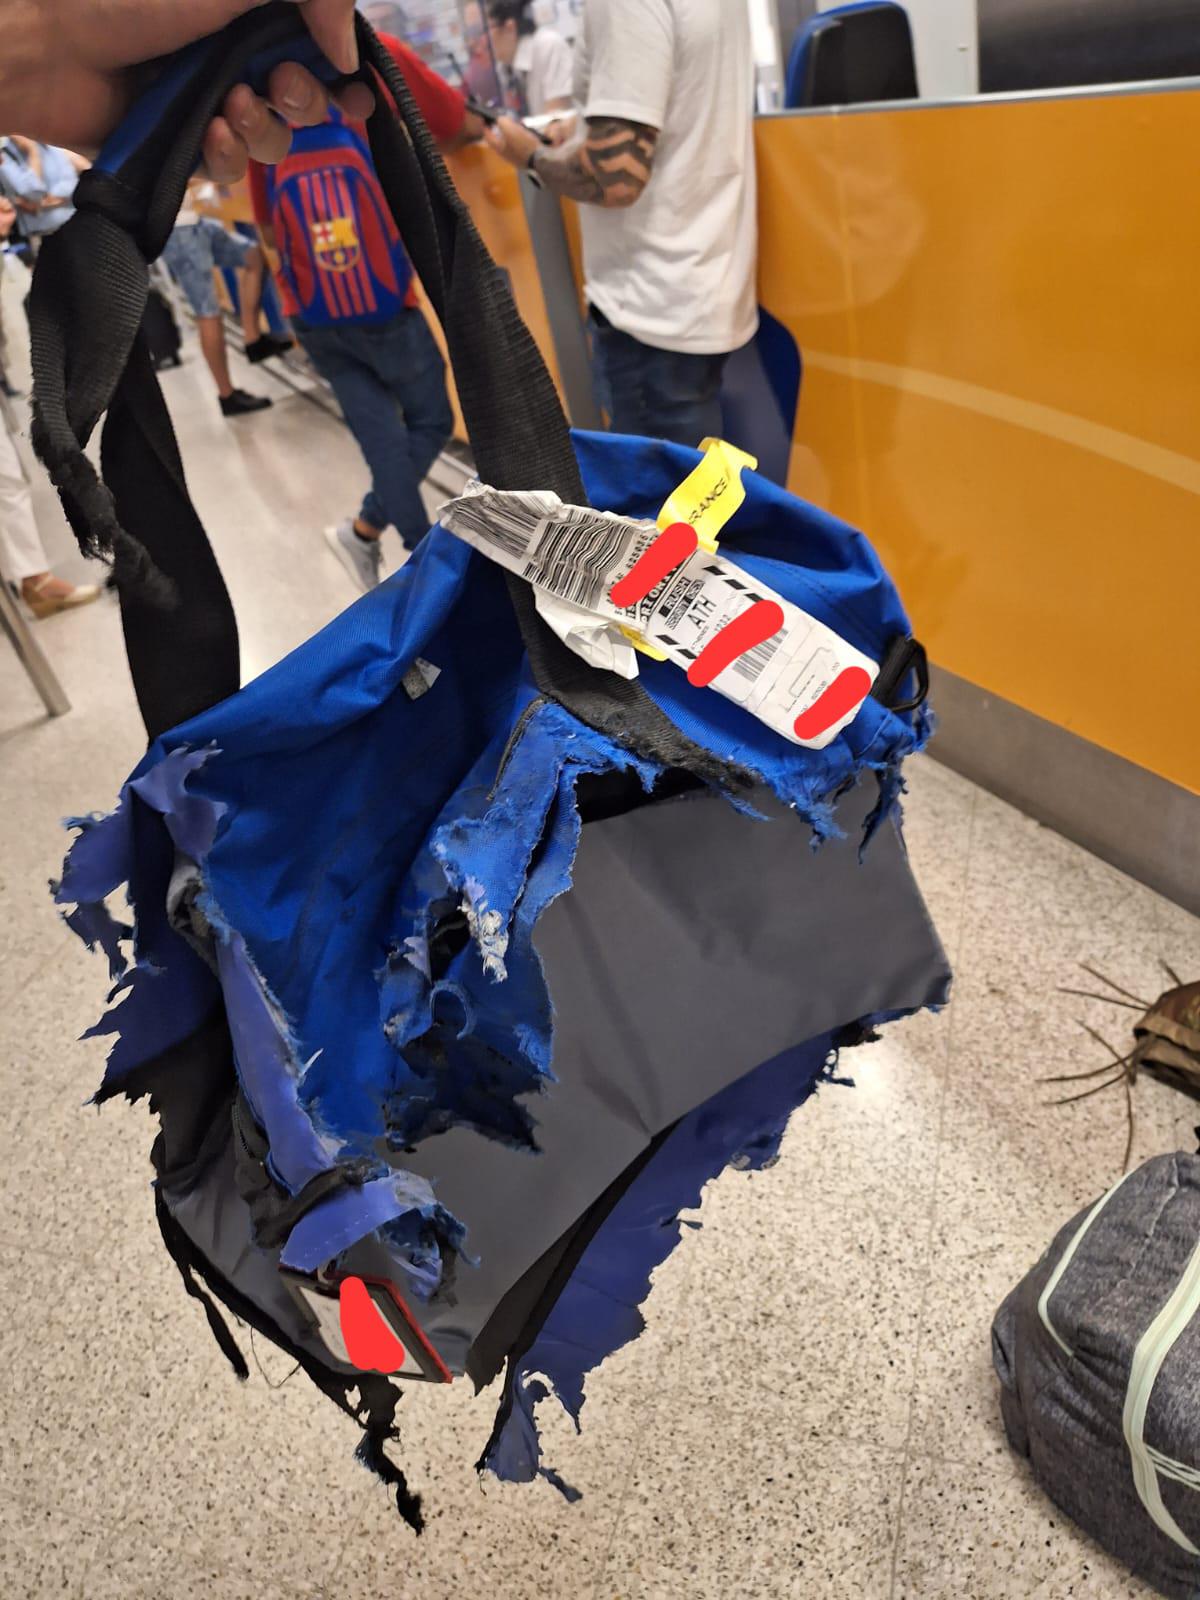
(670, 550)
(760, 622)
(849, 689)
(755, 626)
(370, 1343)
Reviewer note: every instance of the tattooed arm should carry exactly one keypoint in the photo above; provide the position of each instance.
(609, 165)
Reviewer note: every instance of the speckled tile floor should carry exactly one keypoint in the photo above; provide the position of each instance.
(839, 1440)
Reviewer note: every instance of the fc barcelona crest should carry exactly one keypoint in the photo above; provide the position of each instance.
(336, 244)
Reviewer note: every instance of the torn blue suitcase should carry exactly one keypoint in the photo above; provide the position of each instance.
(458, 964)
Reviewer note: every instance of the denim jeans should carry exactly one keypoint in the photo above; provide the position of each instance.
(195, 250)
(664, 394)
(390, 381)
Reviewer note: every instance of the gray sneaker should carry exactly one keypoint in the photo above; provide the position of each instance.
(362, 558)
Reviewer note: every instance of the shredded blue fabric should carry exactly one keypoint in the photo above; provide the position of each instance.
(365, 888)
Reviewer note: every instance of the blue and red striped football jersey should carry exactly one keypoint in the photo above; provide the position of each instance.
(341, 255)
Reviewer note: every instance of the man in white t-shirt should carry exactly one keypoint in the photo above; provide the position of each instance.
(536, 61)
(664, 171)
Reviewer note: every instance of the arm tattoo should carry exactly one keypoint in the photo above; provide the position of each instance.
(609, 166)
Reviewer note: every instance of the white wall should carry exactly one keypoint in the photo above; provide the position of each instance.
(764, 29)
(946, 34)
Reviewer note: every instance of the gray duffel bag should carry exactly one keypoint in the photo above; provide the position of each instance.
(1098, 1354)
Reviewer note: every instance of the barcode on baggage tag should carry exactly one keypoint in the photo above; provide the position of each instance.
(500, 526)
(750, 666)
(576, 556)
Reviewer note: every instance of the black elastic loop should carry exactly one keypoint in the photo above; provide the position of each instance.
(905, 656)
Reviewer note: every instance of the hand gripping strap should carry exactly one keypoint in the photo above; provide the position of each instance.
(86, 307)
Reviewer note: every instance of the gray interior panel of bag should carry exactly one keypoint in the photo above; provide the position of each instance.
(696, 944)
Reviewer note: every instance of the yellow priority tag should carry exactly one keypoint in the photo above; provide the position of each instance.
(706, 499)
(710, 495)
(643, 645)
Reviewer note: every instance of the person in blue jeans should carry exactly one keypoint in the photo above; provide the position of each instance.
(357, 318)
(390, 381)
(660, 394)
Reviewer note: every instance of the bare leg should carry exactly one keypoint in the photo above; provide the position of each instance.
(212, 343)
(250, 289)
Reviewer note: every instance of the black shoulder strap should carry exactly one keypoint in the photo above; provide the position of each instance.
(86, 307)
(518, 433)
(85, 312)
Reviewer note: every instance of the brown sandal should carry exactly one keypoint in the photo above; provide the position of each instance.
(48, 595)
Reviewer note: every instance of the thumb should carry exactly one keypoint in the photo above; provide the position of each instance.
(332, 25)
(124, 33)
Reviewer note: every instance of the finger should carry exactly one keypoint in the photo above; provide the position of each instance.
(226, 157)
(299, 97)
(304, 101)
(331, 23)
(252, 120)
(356, 101)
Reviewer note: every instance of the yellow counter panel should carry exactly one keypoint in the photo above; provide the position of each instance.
(998, 310)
